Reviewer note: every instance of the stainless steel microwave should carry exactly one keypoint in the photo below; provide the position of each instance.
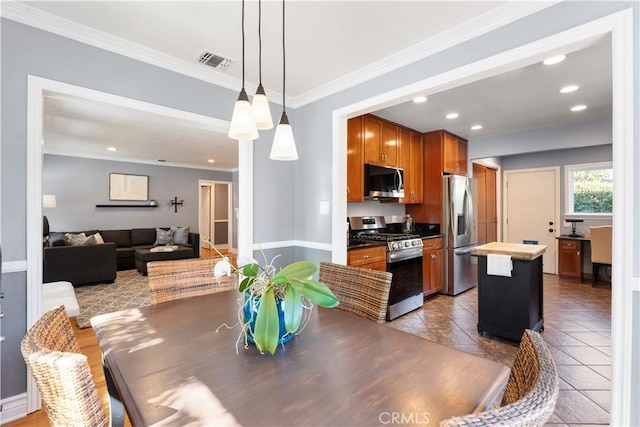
(382, 182)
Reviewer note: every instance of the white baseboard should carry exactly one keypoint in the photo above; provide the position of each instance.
(13, 408)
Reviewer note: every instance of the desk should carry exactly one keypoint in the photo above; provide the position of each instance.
(170, 366)
(571, 256)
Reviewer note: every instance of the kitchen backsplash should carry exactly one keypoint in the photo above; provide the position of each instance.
(392, 212)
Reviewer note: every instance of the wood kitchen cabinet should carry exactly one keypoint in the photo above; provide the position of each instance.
(454, 153)
(370, 258)
(432, 266)
(380, 142)
(355, 160)
(411, 163)
(486, 198)
(570, 259)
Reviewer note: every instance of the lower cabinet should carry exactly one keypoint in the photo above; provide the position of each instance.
(432, 266)
(570, 260)
(371, 258)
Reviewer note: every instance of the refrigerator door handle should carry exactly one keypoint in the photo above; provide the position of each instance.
(463, 251)
(469, 216)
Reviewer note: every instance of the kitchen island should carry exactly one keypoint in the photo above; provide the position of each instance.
(510, 301)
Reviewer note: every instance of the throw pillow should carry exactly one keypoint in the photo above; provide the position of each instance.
(180, 235)
(98, 238)
(163, 237)
(75, 239)
(89, 241)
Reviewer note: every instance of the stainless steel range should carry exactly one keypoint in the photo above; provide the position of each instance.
(404, 261)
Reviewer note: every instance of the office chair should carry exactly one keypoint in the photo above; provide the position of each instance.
(601, 247)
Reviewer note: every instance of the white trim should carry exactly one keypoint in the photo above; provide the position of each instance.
(620, 25)
(482, 24)
(37, 88)
(636, 284)
(292, 244)
(13, 408)
(14, 266)
(568, 190)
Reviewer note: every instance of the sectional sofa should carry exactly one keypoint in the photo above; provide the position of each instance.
(96, 262)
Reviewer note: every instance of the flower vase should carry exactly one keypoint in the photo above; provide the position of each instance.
(252, 302)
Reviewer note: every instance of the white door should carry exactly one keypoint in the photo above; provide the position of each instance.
(532, 200)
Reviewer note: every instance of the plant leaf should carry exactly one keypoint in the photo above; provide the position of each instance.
(298, 270)
(292, 309)
(317, 292)
(267, 329)
(250, 270)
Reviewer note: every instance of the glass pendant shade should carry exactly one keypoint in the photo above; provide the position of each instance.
(243, 125)
(261, 110)
(284, 146)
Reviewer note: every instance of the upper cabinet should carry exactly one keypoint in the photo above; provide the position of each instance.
(380, 142)
(411, 163)
(355, 160)
(455, 153)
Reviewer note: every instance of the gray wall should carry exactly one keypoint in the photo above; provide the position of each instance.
(76, 199)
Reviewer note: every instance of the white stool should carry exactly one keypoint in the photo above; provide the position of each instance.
(60, 293)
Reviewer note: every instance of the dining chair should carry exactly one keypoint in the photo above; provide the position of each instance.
(601, 247)
(362, 292)
(171, 280)
(62, 373)
(530, 394)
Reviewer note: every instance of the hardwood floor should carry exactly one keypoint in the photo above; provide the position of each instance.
(577, 330)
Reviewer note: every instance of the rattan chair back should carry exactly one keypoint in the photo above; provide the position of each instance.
(172, 280)
(62, 374)
(364, 293)
(531, 392)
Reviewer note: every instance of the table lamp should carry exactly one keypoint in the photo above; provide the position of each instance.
(573, 227)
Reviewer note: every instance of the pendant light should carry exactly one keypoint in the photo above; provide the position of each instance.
(243, 125)
(284, 146)
(260, 103)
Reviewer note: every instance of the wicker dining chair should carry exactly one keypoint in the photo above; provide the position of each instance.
(62, 373)
(530, 395)
(172, 280)
(364, 293)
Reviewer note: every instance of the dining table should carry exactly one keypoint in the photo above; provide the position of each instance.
(184, 362)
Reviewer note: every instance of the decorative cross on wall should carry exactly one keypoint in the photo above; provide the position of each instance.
(175, 203)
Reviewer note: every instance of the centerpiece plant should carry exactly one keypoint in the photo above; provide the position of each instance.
(272, 296)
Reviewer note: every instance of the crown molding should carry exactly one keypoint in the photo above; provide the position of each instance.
(502, 15)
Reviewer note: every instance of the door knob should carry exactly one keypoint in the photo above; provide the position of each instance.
(551, 230)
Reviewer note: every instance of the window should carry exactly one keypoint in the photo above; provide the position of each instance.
(589, 189)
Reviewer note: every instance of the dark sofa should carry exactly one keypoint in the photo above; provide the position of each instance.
(83, 265)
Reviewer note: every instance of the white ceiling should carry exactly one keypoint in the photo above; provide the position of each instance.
(330, 44)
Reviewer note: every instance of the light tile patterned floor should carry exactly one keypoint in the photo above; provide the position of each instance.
(577, 328)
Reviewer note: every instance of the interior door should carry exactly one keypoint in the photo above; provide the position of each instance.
(532, 200)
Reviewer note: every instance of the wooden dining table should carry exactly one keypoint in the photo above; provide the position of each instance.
(176, 364)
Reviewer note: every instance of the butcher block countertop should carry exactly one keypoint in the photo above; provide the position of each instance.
(515, 250)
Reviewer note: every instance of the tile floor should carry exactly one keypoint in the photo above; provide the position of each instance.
(577, 328)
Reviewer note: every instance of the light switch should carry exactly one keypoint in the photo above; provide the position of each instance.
(324, 207)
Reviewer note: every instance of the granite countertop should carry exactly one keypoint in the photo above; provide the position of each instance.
(432, 237)
(361, 244)
(515, 250)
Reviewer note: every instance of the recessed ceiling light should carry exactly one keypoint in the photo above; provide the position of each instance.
(579, 108)
(452, 116)
(554, 60)
(112, 149)
(211, 161)
(420, 99)
(569, 89)
(476, 127)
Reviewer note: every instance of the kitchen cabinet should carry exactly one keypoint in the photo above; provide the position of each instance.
(432, 266)
(570, 259)
(355, 160)
(370, 258)
(380, 142)
(439, 148)
(454, 154)
(486, 207)
(411, 162)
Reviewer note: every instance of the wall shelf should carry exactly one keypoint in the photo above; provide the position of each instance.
(126, 206)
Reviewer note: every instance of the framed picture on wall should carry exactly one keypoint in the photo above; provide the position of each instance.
(128, 187)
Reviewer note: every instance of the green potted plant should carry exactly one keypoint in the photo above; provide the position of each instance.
(275, 302)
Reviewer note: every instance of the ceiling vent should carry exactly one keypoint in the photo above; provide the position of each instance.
(215, 61)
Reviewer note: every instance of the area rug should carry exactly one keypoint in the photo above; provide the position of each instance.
(130, 290)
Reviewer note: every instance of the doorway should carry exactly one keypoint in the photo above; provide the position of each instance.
(532, 210)
(215, 214)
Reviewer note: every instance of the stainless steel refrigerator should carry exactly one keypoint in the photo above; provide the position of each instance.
(460, 227)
